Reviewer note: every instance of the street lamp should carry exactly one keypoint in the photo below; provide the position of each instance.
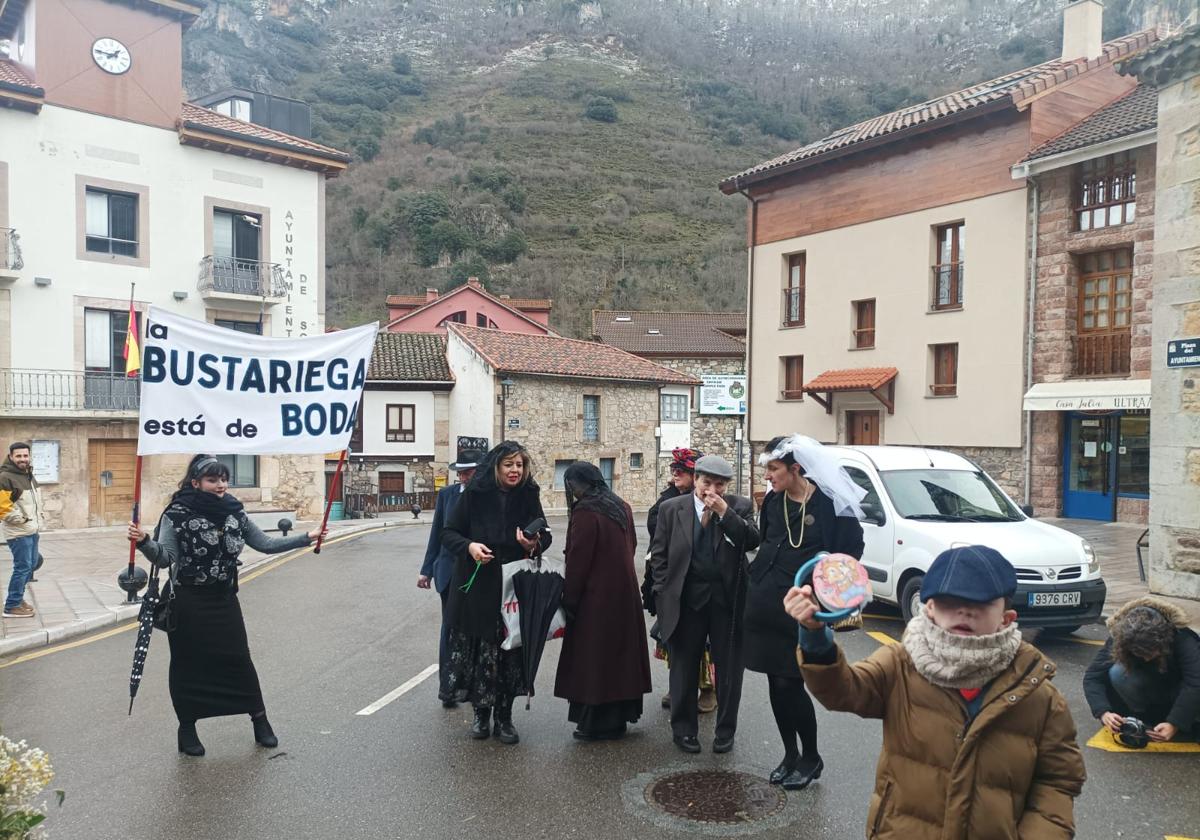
(506, 386)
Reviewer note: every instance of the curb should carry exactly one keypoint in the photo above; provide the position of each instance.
(127, 612)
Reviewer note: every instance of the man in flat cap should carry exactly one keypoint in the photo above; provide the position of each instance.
(698, 563)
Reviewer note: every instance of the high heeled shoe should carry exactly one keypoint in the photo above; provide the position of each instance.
(189, 741)
(263, 734)
(805, 774)
(783, 770)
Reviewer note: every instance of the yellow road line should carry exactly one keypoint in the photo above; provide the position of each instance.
(1103, 740)
(1177, 837)
(262, 570)
(882, 638)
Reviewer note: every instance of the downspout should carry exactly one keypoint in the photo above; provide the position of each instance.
(1035, 211)
(747, 440)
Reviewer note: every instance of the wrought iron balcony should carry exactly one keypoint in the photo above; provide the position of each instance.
(25, 391)
(1102, 354)
(946, 291)
(10, 250)
(235, 276)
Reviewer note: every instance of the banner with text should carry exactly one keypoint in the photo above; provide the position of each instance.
(211, 389)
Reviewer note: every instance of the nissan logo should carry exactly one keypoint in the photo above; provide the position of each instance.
(1051, 574)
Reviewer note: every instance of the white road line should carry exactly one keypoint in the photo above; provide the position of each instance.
(399, 692)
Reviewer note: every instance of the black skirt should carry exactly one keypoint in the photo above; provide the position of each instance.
(605, 720)
(211, 671)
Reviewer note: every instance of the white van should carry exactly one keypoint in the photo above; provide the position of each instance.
(921, 502)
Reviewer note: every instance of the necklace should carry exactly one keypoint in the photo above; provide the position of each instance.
(787, 520)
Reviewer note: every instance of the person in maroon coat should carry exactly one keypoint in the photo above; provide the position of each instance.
(604, 670)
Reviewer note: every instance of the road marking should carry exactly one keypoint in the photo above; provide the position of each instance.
(87, 640)
(1103, 740)
(1178, 837)
(882, 638)
(399, 692)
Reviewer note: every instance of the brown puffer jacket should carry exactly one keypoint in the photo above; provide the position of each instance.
(1012, 772)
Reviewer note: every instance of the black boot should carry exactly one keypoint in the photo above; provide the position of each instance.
(481, 729)
(505, 731)
(263, 733)
(189, 741)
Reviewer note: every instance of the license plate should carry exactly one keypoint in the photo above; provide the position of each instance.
(1055, 599)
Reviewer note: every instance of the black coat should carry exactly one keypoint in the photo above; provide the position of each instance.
(476, 518)
(671, 555)
(1181, 700)
(651, 524)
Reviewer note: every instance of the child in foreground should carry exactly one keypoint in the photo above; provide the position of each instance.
(977, 744)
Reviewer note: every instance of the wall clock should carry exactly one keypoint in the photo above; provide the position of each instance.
(111, 56)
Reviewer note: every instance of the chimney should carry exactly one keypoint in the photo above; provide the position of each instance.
(1082, 23)
(473, 281)
(431, 294)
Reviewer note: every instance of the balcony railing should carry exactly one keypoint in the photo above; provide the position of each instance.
(792, 308)
(235, 276)
(947, 286)
(10, 250)
(66, 390)
(1102, 354)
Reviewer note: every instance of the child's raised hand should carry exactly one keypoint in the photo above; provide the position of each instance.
(800, 604)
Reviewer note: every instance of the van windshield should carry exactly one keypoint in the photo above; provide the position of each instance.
(948, 496)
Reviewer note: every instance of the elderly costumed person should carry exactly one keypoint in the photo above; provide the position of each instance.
(484, 532)
(813, 506)
(604, 669)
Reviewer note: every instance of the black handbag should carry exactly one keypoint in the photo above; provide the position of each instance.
(165, 618)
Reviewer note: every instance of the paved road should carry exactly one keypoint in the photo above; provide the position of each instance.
(333, 634)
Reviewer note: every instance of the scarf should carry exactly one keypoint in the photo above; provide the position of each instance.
(587, 490)
(952, 661)
(216, 509)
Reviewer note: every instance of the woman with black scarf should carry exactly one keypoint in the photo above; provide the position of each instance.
(199, 538)
(604, 669)
(483, 533)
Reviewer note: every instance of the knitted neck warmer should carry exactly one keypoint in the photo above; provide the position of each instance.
(954, 661)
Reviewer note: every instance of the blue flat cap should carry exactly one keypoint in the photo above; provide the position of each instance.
(972, 572)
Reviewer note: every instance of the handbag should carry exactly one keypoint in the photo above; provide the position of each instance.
(165, 618)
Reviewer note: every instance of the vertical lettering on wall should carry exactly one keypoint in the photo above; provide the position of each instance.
(289, 277)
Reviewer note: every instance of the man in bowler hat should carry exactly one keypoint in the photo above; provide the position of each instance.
(698, 562)
(435, 571)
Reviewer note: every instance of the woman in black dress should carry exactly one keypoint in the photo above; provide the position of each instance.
(199, 538)
(483, 533)
(812, 507)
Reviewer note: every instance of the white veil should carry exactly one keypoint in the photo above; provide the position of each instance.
(820, 468)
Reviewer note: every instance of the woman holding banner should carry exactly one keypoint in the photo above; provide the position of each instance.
(199, 537)
(485, 531)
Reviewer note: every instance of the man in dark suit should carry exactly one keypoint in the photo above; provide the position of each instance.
(438, 563)
(698, 562)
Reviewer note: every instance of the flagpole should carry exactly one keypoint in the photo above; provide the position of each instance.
(129, 578)
(329, 502)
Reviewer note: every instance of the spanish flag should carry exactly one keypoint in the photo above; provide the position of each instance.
(133, 355)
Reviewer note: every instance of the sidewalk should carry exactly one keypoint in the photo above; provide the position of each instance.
(76, 589)
(1115, 544)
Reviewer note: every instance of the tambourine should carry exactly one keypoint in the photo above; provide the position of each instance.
(839, 583)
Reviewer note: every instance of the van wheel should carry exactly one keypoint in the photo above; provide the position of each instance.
(910, 597)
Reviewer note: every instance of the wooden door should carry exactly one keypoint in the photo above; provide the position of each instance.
(391, 482)
(111, 466)
(862, 428)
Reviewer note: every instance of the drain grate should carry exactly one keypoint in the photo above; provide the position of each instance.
(722, 797)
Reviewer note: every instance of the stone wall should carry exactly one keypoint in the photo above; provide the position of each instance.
(550, 416)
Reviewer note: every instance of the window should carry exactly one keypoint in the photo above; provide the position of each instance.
(945, 370)
(673, 408)
(251, 327)
(1133, 454)
(236, 236)
(793, 292)
(401, 424)
(591, 418)
(1106, 193)
(948, 496)
(560, 472)
(1105, 290)
(607, 467)
(237, 108)
(948, 270)
(864, 324)
(391, 483)
(635, 460)
(111, 223)
(481, 320)
(104, 340)
(792, 377)
(243, 469)
(871, 500)
(459, 317)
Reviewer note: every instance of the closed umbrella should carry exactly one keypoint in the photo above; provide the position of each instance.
(141, 645)
(539, 592)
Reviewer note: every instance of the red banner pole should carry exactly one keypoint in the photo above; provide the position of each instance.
(333, 491)
(137, 512)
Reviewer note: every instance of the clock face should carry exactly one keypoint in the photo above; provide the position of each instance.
(111, 56)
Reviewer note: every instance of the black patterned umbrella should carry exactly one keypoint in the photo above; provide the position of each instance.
(141, 645)
(540, 595)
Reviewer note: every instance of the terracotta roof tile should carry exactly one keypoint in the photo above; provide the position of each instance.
(1134, 112)
(679, 334)
(197, 117)
(537, 304)
(406, 300)
(549, 355)
(409, 357)
(13, 75)
(853, 379)
(1010, 89)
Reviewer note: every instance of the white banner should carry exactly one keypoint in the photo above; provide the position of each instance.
(210, 389)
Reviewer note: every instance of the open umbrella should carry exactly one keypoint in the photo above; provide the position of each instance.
(539, 592)
(141, 645)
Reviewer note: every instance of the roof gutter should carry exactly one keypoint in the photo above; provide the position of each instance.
(748, 440)
(1035, 200)
(1028, 168)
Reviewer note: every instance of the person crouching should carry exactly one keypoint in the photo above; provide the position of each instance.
(977, 743)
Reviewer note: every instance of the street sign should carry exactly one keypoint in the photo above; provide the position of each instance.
(514, 422)
(723, 395)
(1183, 352)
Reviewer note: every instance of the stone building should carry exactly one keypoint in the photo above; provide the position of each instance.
(565, 400)
(1093, 244)
(699, 344)
(1173, 68)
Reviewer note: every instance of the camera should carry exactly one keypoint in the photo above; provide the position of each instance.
(1132, 734)
(535, 529)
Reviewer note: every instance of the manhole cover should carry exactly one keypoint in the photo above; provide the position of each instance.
(715, 796)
